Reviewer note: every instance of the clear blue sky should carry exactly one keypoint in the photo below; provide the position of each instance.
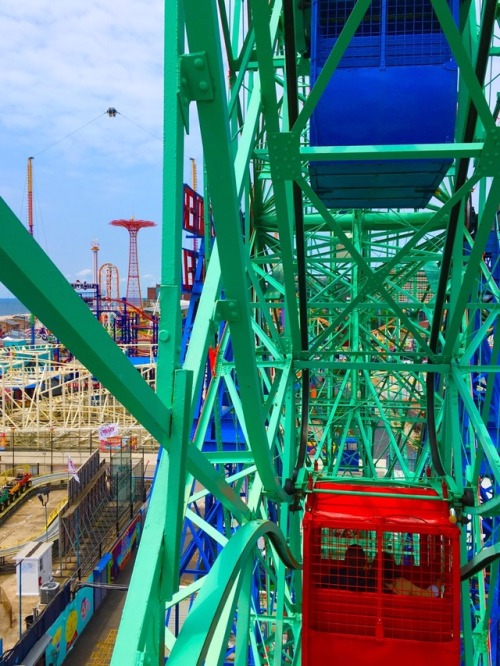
(63, 66)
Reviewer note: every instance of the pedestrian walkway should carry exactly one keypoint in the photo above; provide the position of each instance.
(101, 656)
(95, 645)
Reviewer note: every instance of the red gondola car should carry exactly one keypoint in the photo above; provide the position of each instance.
(399, 601)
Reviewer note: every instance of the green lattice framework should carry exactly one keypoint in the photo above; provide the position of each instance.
(372, 294)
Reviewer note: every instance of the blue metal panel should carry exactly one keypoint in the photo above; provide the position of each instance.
(396, 84)
(350, 455)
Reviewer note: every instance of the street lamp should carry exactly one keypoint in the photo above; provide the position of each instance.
(51, 437)
(12, 445)
(19, 591)
(44, 499)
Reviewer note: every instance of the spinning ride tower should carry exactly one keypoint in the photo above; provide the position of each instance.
(133, 280)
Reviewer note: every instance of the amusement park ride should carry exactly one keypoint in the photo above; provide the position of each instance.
(338, 385)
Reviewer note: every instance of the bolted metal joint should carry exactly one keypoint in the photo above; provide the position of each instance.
(228, 310)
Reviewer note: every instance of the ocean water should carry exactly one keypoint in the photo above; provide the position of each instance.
(11, 306)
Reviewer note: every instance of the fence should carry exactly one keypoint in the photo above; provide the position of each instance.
(75, 603)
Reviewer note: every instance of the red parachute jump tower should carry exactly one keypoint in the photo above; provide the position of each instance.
(133, 282)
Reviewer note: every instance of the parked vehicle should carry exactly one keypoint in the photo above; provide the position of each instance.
(5, 498)
(19, 485)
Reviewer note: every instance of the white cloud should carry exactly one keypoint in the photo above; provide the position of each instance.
(84, 274)
(63, 65)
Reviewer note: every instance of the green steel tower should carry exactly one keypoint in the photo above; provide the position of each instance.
(350, 303)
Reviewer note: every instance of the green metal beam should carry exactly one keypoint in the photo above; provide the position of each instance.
(387, 152)
(49, 296)
(221, 587)
(203, 38)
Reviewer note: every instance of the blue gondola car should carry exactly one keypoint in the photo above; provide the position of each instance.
(395, 84)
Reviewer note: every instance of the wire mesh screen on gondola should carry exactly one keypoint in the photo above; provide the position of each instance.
(396, 33)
